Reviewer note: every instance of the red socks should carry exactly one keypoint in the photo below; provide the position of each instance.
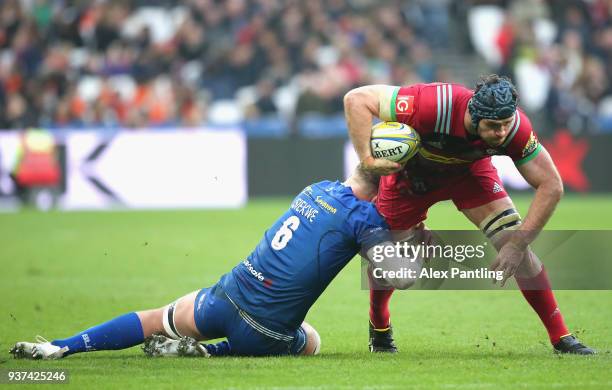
(379, 308)
(537, 292)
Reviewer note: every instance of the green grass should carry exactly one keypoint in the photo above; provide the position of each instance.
(64, 272)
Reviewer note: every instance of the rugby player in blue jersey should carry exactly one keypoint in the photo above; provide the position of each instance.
(260, 305)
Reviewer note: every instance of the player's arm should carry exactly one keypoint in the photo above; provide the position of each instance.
(361, 105)
(389, 269)
(541, 173)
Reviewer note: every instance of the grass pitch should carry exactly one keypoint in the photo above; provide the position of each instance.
(62, 273)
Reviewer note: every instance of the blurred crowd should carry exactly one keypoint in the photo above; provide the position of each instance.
(163, 63)
(167, 63)
(559, 52)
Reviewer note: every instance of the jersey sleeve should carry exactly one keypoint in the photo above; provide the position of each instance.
(522, 144)
(368, 227)
(401, 104)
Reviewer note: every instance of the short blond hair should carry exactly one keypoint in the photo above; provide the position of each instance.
(367, 175)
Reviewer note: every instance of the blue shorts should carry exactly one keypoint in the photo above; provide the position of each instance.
(217, 316)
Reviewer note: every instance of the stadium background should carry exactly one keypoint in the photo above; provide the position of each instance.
(276, 72)
(226, 108)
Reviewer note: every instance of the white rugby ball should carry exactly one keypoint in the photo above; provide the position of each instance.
(394, 141)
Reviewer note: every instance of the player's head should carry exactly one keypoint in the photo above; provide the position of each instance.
(492, 108)
(364, 183)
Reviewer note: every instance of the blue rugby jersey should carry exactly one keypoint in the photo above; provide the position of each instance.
(325, 227)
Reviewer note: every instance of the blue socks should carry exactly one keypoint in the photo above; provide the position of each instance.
(119, 333)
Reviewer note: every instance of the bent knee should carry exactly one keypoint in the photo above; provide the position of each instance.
(313, 340)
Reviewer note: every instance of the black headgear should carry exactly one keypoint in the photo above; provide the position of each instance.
(496, 100)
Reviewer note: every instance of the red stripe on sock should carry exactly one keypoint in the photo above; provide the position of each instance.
(538, 293)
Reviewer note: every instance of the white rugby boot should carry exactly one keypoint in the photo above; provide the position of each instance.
(41, 349)
(159, 345)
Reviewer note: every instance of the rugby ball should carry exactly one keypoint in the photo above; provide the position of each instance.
(394, 141)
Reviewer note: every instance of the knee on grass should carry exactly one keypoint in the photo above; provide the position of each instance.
(313, 340)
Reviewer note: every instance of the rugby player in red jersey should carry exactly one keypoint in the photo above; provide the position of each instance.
(460, 130)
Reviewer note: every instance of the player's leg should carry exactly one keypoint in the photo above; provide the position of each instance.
(177, 319)
(179, 334)
(402, 212)
(217, 316)
(496, 219)
(246, 341)
(209, 314)
(254, 337)
(483, 200)
(121, 332)
(171, 329)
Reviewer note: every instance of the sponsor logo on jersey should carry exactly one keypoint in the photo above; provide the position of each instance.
(376, 229)
(253, 271)
(404, 104)
(531, 145)
(325, 206)
(497, 188)
(491, 151)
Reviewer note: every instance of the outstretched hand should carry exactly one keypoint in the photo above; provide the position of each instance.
(508, 259)
(380, 166)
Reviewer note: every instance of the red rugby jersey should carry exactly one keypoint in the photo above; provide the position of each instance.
(436, 111)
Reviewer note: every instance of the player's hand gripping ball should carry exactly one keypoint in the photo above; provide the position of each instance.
(394, 141)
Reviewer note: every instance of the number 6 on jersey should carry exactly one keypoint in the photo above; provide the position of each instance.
(285, 233)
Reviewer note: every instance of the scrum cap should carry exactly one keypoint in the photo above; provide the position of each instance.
(494, 98)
